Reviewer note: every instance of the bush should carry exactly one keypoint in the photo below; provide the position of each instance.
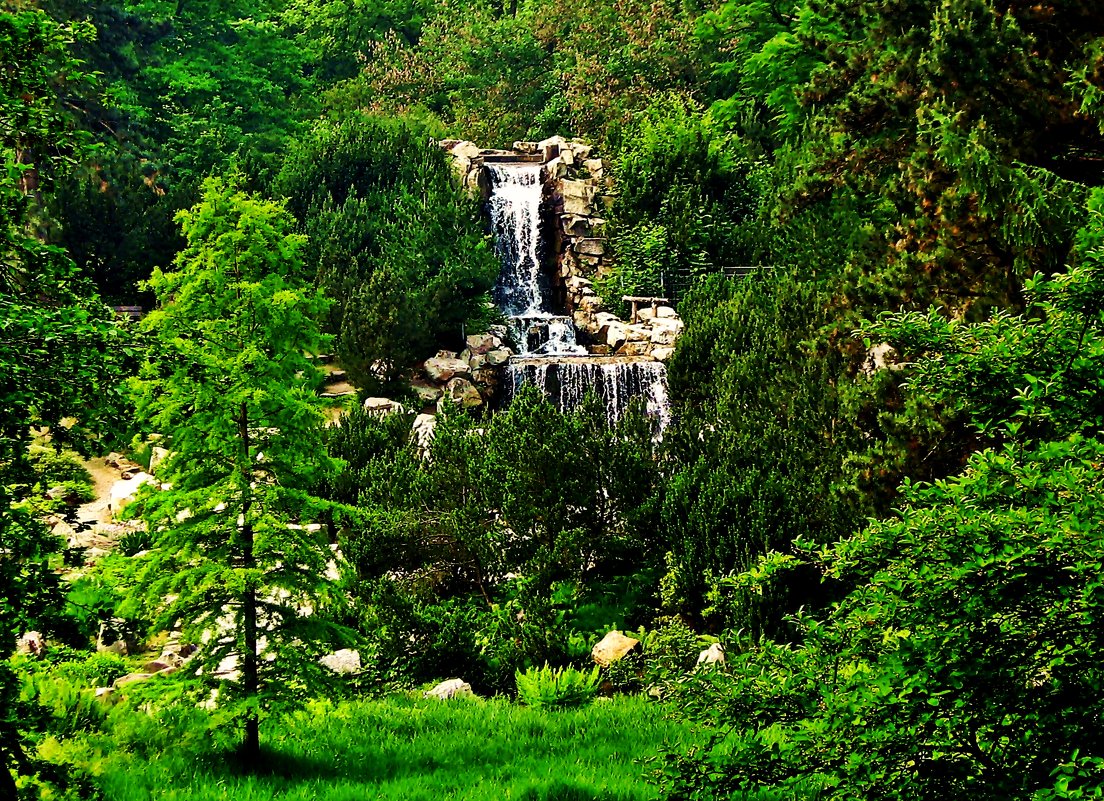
(562, 687)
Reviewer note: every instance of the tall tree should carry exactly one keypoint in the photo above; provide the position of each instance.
(230, 383)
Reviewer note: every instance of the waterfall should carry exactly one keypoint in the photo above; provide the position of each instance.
(516, 192)
(616, 382)
(549, 355)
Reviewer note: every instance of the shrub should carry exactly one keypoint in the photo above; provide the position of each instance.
(561, 687)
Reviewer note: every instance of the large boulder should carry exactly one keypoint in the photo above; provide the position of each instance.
(498, 356)
(158, 455)
(614, 334)
(32, 643)
(612, 647)
(422, 430)
(480, 343)
(443, 368)
(465, 149)
(453, 688)
(665, 331)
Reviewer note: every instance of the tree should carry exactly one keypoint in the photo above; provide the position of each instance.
(966, 658)
(61, 353)
(757, 458)
(399, 249)
(229, 382)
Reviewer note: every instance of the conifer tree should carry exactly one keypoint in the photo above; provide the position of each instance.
(229, 382)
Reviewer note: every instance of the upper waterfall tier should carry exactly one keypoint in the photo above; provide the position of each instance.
(516, 193)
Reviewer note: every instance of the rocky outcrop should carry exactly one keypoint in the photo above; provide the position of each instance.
(344, 661)
(580, 193)
(468, 378)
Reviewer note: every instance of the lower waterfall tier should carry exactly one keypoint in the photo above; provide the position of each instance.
(566, 380)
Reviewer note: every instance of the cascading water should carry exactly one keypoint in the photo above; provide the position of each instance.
(549, 355)
(516, 191)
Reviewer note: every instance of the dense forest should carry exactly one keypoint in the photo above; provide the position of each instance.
(864, 559)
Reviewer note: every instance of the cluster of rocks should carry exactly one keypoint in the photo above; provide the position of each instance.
(579, 194)
(469, 378)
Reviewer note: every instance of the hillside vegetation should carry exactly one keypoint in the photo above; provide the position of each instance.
(879, 497)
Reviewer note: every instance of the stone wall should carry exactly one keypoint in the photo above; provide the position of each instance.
(579, 194)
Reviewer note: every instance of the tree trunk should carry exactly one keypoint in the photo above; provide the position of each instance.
(251, 746)
(7, 781)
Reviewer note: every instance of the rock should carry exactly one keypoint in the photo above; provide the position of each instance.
(498, 356)
(123, 491)
(116, 636)
(443, 368)
(381, 407)
(67, 533)
(666, 312)
(567, 157)
(614, 334)
(465, 149)
(662, 354)
(158, 455)
(156, 666)
(713, 655)
(880, 357)
(480, 343)
(581, 189)
(462, 392)
(32, 643)
(557, 169)
(476, 362)
(591, 247)
(613, 646)
(635, 349)
(594, 167)
(581, 149)
(104, 693)
(665, 332)
(344, 661)
(452, 688)
(422, 430)
(427, 394)
(131, 678)
(525, 147)
(59, 493)
(638, 333)
(605, 318)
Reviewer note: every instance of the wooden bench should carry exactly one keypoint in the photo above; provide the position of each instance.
(655, 303)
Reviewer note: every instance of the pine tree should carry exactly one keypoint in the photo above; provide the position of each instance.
(229, 382)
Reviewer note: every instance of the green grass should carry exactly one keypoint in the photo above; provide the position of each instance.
(406, 749)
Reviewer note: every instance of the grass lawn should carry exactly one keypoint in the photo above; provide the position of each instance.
(401, 748)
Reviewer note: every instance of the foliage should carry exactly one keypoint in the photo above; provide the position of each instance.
(556, 687)
(966, 657)
(229, 382)
(58, 344)
(391, 240)
(757, 459)
(496, 75)
(682, 198)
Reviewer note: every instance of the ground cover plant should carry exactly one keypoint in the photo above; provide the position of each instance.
(401, 747)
